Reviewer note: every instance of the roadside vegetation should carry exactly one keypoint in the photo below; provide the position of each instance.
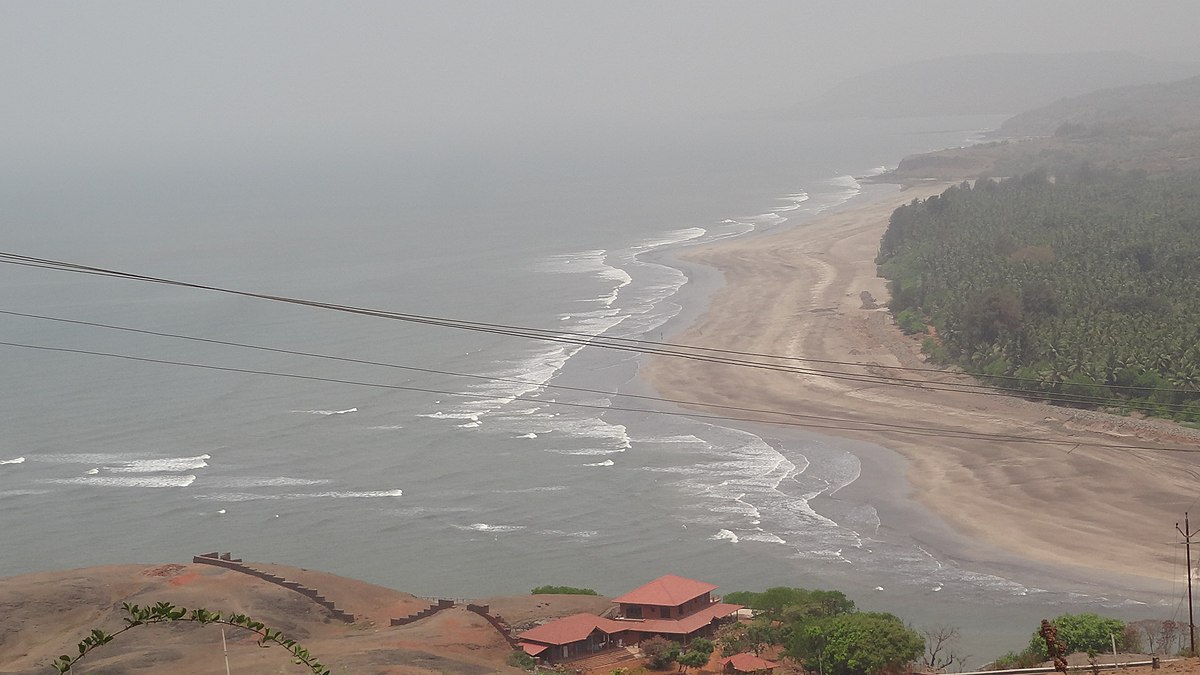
(562, 590)
(1083, 288)
(823, 632)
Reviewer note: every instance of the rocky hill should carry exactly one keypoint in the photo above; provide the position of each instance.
(987, 84)
(46, 614)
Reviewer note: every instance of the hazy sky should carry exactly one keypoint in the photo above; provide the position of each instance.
(91, 81)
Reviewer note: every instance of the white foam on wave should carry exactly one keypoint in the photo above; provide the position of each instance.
(584, 452)
(160, 465)
(386, 427)
(795, 201)
(92, 472)
(585, 534)
(846, 181)
(326, 412)
(528, 435)
(670, 238)
(846, 187)
(607, 462)
(439, 415)
(682, 439)
(725, 535)
(88, 457)
(15, 460)
(766, 537)
(520, 376)
(485, 527)
(21, 492)
(768, 218)
(749, 482)
(350, 494)
(594, 262)
(265, 481)
(125, 481)
(593, 427)
(544, 488)
(330, 494)
(468, 425)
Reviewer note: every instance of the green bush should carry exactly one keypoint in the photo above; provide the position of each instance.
(519, 659)
(660, 652)
(910, 321)
(856, 644)
(562, 590)
(1083, 633)
(809, 602)
(1011, 660)
(936, 351)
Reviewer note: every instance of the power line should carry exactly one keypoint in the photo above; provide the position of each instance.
(540, 385)
(691, 352)
(917, 431)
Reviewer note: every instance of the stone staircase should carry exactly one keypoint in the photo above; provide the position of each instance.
(227, 561)
(428, 611)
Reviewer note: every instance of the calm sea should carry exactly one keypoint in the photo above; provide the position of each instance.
(469, 484)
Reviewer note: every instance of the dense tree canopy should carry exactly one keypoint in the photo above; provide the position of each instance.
(801, 602)
(856, 643)
(1085, 287)
(823, 631)
(1089, 633)
(562, 590)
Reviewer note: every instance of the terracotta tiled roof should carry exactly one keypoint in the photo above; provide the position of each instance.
(571, 629)
(685, 626)
(666, 591)
(533, 649)
(748, 663)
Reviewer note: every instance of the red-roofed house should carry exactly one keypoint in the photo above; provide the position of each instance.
(676, 608)
(571, 636)
(747, 663)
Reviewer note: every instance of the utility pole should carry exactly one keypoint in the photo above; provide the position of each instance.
(1187, 533)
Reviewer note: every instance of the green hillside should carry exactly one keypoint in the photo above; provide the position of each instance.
(1085, 288)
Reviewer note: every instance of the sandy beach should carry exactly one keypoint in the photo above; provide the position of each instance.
(1093, 513)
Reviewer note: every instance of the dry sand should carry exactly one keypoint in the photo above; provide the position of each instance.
(1091, 512)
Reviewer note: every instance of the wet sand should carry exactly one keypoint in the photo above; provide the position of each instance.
(1093, 513)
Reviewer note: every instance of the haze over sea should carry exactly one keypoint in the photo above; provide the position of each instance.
(420, 488)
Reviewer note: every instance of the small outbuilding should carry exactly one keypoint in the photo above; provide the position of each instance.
(747, 663)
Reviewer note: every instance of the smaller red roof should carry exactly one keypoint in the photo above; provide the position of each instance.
(571, 629)
(532, 649)
(748, 663)
(666, 591)
(686, 625)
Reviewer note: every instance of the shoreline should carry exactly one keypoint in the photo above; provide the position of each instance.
(974, 504)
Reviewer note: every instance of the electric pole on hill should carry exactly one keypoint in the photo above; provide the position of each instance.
(1187, 533)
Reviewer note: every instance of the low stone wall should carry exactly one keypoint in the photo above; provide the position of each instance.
(497, 622)
(427, 612)
(227, 561)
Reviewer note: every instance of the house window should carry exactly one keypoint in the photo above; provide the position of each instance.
(666, 612)
(633, 612)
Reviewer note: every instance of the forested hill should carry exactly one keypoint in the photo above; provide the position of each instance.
(1085, 288)
(987, 84)
(1153, 128)
(1157, 108)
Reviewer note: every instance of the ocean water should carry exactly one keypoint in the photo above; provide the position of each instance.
(457, 463)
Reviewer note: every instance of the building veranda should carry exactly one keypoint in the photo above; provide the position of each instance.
(673, 607)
